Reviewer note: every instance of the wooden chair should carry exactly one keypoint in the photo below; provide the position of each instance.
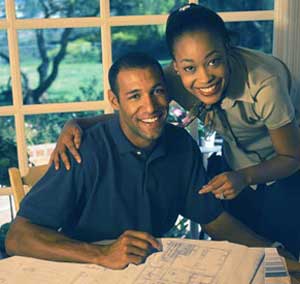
(20, 185)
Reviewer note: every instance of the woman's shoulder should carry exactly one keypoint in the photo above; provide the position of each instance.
(261, 69)
(259, 64)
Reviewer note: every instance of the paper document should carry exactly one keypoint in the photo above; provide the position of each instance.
(182, 261)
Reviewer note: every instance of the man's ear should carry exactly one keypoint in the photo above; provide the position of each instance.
(114, 102)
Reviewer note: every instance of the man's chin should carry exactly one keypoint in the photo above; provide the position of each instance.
(153, 135)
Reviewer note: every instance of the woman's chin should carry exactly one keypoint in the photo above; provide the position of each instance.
(209, 100)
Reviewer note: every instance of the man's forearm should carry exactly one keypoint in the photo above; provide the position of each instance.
(86, 122)
(27, 239)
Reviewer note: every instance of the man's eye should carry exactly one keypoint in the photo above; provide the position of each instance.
(189, 69)
(134, 97)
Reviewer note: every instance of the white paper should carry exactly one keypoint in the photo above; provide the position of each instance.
(182, 261)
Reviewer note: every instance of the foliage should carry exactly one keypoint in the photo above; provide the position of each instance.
(47, 127)
(8, 158)
(89, 92)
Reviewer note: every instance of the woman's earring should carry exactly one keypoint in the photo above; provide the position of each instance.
(177, 73)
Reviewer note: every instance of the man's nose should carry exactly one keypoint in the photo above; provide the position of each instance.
(149, 103)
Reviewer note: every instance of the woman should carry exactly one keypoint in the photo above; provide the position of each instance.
(245, 96)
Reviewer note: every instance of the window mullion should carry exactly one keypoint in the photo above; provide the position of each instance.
(13, 50)
(106, 48)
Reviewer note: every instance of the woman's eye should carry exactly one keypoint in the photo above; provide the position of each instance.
(189, 69)
(160, 91)
(215, 62)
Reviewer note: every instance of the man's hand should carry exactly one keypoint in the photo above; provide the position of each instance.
(226, 185)
(131, 247)
(70, 138)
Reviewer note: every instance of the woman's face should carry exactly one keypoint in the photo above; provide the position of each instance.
(201, 62)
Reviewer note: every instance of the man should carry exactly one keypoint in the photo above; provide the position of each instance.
(137, 174)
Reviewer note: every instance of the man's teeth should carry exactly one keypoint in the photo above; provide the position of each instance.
(150, 120)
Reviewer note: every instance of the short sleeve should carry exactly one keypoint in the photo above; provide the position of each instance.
(52, 201)
(202, 208)
(273, 103)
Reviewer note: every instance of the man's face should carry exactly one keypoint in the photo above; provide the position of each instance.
(142, 104)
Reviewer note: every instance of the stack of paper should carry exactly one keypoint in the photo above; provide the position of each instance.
(182, 261)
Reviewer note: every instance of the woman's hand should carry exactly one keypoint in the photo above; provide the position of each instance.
(226, 185)
(70, 138)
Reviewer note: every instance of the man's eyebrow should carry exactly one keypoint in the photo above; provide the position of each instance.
(134, 91)
(207, 55)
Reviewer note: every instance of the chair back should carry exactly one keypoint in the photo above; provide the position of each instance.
(20, 185)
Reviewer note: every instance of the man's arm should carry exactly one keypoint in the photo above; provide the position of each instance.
(226, 227)
(27, 239)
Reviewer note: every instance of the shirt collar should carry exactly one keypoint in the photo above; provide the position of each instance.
(238, 87)
(125, 146)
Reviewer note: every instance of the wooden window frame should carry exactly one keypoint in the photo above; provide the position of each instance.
(11, 25)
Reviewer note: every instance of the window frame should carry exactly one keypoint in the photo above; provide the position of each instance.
(105, 22)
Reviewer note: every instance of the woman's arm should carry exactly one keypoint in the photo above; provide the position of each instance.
(70, 139)
(286, 142)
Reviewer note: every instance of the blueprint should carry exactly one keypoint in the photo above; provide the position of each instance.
(182, 261)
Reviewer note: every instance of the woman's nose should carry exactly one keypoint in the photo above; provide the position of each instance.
(203, 76)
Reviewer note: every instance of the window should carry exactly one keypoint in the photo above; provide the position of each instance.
(54, 57)
(5, 90)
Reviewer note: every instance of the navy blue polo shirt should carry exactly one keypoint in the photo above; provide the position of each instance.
(119, 187)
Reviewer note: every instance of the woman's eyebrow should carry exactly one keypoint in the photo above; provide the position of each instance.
(188, 60)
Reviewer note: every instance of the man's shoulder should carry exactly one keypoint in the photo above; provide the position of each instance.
(98, 132)
(97, 139)
(178, 138)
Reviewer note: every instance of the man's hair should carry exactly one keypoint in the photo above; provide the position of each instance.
(193, 17)
(129, 61)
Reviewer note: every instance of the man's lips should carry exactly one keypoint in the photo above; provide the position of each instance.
(150, 120)
(153, 118)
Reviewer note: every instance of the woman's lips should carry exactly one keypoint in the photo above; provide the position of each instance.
(209, 91)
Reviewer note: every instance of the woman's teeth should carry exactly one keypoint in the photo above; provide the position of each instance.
(209, 89)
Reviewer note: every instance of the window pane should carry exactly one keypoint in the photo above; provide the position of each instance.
(143, 7)
(150, 39)
(43, 130)
(61, 65)
(2, 9)
(5, 82)
(257, 35)
(56, 9)
(8, 149)
(241, 5)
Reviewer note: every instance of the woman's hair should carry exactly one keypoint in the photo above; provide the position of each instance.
(193, 17)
